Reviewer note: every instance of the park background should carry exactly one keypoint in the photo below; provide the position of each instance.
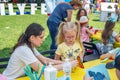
(11, 27)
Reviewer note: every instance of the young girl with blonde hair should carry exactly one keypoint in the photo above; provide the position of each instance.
(68, 41)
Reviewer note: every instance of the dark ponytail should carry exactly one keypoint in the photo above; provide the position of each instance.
(108, 29)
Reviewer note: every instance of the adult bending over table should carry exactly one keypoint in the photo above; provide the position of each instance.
(25, 53)
(62, 10)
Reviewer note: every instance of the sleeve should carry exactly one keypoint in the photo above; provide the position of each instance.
(58, 51)
(27, 56)
(69, 7)
(114, 34)
(114, 51)
(36, 52)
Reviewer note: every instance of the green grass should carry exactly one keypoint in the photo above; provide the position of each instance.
(12, 26)
(94, 21)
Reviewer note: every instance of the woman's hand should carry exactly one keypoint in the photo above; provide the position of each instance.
(58, 62)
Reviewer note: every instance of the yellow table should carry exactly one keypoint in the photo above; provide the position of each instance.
(79, 73)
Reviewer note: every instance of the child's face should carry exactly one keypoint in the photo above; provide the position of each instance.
(82, 13)
(70, 36)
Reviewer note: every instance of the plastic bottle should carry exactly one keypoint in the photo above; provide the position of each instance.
(67, 69)
(50, 73)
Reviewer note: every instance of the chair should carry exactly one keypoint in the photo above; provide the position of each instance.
(94, 52)
(4, 62)
(91, 46)
(49, 53)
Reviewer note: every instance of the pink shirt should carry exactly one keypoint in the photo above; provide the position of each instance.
(84, 34)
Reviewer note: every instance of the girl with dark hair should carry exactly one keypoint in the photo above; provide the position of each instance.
(25, 53)
(109, 36)
(81, 12)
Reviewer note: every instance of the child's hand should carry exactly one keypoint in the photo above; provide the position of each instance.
(74, 63)
(107, 55)
(81, 59)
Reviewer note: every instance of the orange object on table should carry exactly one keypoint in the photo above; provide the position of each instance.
(80, 64)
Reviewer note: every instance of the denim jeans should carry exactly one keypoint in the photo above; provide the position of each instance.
(53, 30)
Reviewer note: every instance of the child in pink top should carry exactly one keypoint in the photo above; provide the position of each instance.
(85, 32)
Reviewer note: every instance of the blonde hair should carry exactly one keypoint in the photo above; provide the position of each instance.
(64, 26)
